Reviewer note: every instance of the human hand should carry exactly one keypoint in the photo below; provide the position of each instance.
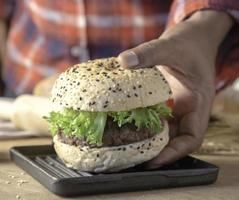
(187, 54)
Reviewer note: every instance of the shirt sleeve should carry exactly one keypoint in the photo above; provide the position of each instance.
(181, 9)
(6, 7)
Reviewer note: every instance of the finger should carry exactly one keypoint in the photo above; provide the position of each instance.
(173, 129)
(176, 149)
(144, 55)
(189, 139)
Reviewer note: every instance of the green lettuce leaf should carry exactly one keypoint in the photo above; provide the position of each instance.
(148, 117)
(90, 125)
(87, 125)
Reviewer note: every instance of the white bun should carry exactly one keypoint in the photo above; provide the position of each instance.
(103, 85)
(111, 159)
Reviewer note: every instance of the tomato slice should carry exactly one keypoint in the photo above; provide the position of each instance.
(170, 103)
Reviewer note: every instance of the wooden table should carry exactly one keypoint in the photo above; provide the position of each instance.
(16, 184)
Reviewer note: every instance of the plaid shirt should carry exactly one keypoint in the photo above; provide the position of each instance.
(46, 36)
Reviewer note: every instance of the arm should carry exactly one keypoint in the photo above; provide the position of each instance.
(227, 66)
(187, 51)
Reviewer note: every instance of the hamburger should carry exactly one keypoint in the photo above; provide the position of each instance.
(108, 118)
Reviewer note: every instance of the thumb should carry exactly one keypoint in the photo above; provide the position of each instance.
(144, 55)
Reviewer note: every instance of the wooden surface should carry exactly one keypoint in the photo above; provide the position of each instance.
(14, 183)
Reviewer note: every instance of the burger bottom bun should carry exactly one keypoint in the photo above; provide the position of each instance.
(111, 159)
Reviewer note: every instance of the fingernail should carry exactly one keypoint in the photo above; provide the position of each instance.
(128, 59)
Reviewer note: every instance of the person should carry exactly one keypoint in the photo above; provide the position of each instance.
(198, 47)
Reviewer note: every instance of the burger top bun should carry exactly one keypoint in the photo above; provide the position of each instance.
(103, 85)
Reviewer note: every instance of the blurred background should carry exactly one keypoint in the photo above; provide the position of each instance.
(41, 38)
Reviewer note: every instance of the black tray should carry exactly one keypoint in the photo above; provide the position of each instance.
(42, 163)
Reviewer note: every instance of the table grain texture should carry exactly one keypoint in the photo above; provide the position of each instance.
(16, 184)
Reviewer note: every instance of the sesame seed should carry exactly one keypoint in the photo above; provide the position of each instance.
(161, 139)
(128, 95)
(134, 87)
(150, 92)
(124, 149)
(135, 95)
(141, 152)
(97, 155)
(139, 86)
(84, 90)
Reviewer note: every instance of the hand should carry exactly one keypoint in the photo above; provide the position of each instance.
(187, 54)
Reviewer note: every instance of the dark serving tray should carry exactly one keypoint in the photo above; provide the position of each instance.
(42, 163)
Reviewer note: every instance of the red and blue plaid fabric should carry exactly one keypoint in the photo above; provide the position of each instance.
(46, 36)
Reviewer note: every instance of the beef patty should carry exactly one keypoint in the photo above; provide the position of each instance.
(113, 135)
